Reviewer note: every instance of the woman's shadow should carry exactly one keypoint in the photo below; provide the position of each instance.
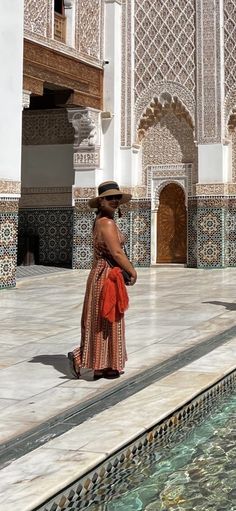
(228, 305)
(61, 364)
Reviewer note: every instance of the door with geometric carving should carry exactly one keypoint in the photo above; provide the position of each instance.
(172, 226)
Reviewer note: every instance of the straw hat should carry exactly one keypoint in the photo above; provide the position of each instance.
(109, 188)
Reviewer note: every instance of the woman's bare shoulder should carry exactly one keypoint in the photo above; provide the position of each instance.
(105, 222)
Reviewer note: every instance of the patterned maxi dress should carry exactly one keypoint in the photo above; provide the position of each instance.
(102, 343)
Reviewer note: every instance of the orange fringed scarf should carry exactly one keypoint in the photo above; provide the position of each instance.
(114, 296)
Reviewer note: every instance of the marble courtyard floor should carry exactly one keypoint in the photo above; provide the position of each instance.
(181, 338)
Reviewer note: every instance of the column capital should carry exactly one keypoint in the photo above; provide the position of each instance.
(86, 124)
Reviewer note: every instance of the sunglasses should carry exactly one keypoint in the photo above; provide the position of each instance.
(113, 197)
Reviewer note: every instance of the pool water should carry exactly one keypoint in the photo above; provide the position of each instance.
(196, 471)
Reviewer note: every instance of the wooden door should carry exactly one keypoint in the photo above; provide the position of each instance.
(172, 226)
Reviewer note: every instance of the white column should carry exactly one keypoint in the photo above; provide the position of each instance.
(131, 153)
(11, 65)
(111, 127)
(86, 157)
(69, 6)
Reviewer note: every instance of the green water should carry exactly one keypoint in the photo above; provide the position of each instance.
(195, 472)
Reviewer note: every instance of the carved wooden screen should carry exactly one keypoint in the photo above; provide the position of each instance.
(172, 226)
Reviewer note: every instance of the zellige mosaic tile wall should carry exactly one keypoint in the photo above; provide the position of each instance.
(135, 224)
(211, 232)
(47, 233)
(8, 242)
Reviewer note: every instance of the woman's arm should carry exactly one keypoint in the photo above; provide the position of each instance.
(110, 237)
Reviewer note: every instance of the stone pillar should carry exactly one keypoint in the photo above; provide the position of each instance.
(11, 44)
(86, 163)
(207, 210)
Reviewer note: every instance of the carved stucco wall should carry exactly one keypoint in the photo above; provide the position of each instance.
(165, 62)
(36, 17)
(169, 142)
(230, 72)
(45, 127)
(230, 44)
(233, 141)
(89, 21)
(164, 43)
(230, 56)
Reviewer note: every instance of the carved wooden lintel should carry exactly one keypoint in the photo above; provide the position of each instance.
(35, 85)
(42, 64)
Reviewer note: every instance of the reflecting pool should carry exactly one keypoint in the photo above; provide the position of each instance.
(195, 471)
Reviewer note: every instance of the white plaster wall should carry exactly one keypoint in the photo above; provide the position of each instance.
(11, 65)
(47, 165)
(214, 163)
(131, 166)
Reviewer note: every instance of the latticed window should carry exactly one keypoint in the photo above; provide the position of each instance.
(59, 21)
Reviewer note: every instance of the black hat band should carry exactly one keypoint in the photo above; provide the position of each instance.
(108, 186)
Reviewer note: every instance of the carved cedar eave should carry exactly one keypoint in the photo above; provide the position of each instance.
(43, 64)
(158, 108)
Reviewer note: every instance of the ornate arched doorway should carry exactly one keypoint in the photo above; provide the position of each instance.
(172, 225)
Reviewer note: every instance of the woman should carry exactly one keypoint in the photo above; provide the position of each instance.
(102, 342)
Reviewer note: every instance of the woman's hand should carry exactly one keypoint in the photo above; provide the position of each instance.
(133, 279)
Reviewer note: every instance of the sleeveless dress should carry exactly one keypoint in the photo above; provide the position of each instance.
(102, 343)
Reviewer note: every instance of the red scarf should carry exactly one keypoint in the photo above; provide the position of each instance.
(114, 296)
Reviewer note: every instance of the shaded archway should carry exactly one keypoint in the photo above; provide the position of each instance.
(172, 225)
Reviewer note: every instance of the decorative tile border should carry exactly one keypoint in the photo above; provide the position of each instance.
(8, 242)
(98, 485)
(44, 197)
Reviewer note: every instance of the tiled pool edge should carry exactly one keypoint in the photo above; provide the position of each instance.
(93, 483)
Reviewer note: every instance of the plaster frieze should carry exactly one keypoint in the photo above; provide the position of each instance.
(9, 205)
(215, 189)
(10, 187)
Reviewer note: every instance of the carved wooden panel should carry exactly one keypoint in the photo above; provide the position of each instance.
(46, 65)
(172, 226)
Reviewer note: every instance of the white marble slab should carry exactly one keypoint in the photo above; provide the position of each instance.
(38, 475)
(40, 323)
